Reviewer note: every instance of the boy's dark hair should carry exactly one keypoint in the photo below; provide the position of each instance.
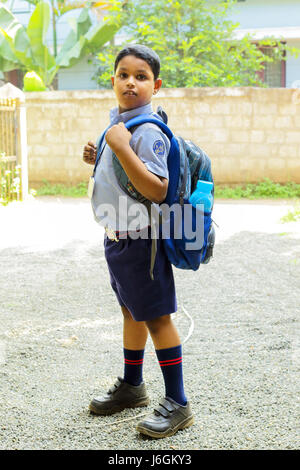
(141, 52)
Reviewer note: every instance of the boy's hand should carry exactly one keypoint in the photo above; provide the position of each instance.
(90, 153)
(118, 137)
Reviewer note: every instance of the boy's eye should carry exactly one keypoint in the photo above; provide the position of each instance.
(123, 75)
(141, 77)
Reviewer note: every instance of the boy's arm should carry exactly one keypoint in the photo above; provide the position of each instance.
(151, 186)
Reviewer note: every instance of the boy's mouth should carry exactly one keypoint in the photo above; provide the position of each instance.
(130, 93)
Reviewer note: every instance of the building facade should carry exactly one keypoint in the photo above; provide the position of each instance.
(272, 18)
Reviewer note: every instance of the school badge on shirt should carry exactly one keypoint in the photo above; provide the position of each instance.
(159, 148)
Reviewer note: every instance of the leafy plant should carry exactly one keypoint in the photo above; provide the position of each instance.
(292, 216)
(60, 7)
(10, 181)
(195, 41)
(25, 48)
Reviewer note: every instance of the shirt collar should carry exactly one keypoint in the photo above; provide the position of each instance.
(116, 117)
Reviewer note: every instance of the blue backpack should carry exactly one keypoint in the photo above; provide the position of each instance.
(187, 163)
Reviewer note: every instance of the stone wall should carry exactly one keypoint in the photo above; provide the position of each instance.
(249, 133)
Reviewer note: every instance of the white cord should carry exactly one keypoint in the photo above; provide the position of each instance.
(192, 325)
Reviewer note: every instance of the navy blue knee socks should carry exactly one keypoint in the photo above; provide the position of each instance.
(170, 361)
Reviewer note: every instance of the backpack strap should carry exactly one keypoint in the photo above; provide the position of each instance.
(143, 118)
(100, 149)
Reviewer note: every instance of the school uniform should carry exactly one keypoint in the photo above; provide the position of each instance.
(129, 258)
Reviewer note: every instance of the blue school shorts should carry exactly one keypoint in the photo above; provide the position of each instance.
(129, 268)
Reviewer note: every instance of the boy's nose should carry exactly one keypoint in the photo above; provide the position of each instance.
(130, 82)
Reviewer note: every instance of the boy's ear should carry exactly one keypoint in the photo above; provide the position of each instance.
(112, 80)
(157, 85)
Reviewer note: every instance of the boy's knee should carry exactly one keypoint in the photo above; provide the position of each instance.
(157, 323)
(126, 313)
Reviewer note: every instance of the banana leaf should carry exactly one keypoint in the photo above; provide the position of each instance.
(91, 41)
(8, 61)
(37, 31)
(16, 36)
(100, 35)
(71, 49)
(27, 49)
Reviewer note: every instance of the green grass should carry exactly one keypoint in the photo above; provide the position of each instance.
(291, 216)
(48, 189)
(266, 189)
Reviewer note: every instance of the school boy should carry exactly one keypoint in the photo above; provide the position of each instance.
(146, 304)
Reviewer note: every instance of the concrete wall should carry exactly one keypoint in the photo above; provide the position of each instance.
(249, 133)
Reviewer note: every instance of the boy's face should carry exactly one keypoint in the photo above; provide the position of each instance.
(134, 83)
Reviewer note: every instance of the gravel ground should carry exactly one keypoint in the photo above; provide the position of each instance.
(61, 333)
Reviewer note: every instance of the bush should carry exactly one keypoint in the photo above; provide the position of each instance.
(10, 181)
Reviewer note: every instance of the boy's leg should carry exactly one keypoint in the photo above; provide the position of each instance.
(174, 412)
(135, 336)
(169, 354)
(129, 392)
(135, 333)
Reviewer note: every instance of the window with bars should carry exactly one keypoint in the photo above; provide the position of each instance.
(273, 74)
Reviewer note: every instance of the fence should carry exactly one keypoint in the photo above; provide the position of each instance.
(13, 151)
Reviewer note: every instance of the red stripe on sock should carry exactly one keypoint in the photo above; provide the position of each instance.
(171, 363)
(170, 360)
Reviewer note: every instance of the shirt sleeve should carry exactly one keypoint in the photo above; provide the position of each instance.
(152, 146)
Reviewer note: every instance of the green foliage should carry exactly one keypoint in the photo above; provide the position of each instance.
(266, 189)
(25, 48)
(291, 216)
(194, 40)
(48, 189)
(10, 181)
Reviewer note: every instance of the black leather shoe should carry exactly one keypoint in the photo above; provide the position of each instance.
(120, 396)
(166, 419)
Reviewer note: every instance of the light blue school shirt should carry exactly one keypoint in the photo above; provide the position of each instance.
(112, 207)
